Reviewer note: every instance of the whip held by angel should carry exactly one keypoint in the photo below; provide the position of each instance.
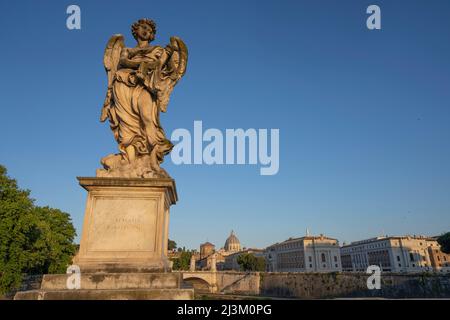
(140, 81)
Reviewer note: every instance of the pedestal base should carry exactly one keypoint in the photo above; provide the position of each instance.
(124, 239)
(126, 225)
(140, 294)
(111, 286)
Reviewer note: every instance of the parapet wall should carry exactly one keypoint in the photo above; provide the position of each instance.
(341, 285)
(317, 285)
(239, 283)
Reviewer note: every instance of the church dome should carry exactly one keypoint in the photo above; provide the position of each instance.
(232, 244)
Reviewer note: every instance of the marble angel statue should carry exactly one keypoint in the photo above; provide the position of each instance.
(140, 81)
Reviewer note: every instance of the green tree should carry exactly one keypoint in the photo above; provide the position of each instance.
(54, 247)
(249, 262)
(171, 245)
(444, 241)
(183, 261)
(33, 239)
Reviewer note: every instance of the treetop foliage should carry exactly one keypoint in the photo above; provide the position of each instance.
(33, 239)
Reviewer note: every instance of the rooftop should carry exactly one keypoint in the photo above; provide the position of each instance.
(381, 238)
(320, 237)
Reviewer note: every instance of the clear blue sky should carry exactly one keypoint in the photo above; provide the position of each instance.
(364, 116)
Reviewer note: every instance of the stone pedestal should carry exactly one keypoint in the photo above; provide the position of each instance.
(111, 286)
(123, 248)
(126, 225)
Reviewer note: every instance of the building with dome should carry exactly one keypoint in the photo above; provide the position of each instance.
(207, 250)
(232, 244)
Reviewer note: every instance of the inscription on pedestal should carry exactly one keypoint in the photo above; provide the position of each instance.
(123, 224)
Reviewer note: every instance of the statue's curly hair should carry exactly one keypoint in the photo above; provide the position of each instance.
(135, 26)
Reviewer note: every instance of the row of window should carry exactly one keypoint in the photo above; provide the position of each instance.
(369, 246)
(383, 244)
(298, 244)
(295, 259)
(439, 258)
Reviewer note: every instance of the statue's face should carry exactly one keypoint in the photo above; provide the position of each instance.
(145, 32)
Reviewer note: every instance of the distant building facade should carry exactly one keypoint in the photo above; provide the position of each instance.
(208, 252)
(173, 254)
(439, 261)
(206, 263)
(231, 261)
(305, 254)
(395, 254)
(206, 249)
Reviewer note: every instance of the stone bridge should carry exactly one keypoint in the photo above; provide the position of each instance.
(306, 285)
(223, 281)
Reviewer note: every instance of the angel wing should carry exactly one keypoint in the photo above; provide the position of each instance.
(172, 72)
(111, 61)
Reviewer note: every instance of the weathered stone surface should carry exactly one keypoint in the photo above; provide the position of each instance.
(308, 285)
(303, 285)
(105, 281)
(119, 166)
(140, 81)
(122, 294)
(126, 225)
(111, 286)
(224, 281)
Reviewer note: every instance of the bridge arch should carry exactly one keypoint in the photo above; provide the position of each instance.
(199, 284)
